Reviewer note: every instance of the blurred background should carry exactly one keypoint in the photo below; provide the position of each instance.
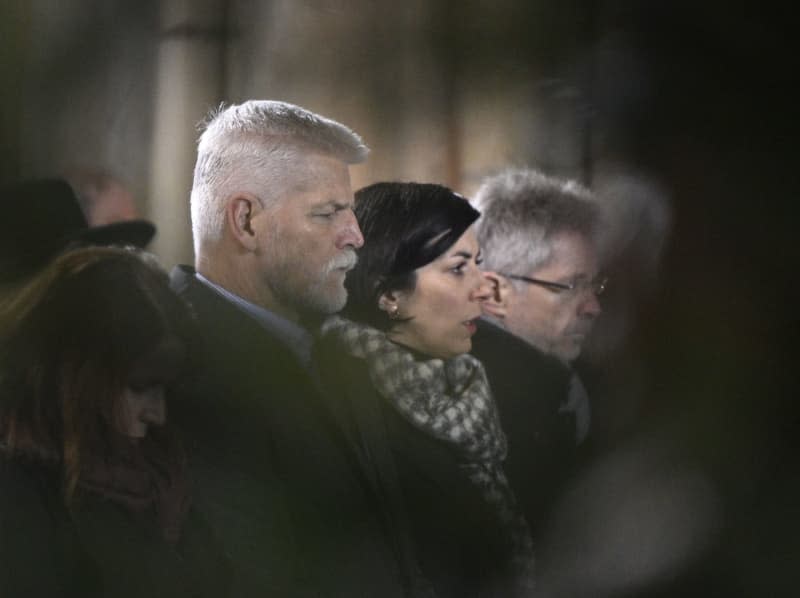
(681, 112)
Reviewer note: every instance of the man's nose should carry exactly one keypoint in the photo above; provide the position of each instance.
(350, 233)
(590, 306)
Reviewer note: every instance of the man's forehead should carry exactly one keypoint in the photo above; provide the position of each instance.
(571, 250)
(319, 176)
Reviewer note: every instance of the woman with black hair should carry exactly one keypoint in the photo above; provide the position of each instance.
(402, 344)
(94, 499)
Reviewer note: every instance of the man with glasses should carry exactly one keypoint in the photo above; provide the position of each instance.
(538, 238)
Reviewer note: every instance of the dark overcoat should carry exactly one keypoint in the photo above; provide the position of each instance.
(456, 536)
(293, 500)
(529, 388)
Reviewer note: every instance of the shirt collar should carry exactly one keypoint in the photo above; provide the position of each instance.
(294, 336)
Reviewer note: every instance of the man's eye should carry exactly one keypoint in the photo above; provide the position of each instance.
(325, 215)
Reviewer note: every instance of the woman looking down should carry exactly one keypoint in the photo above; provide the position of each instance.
(94, 498)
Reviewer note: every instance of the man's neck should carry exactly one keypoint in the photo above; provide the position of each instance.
(242, 282)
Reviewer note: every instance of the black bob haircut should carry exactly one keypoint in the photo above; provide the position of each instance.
(405, 226)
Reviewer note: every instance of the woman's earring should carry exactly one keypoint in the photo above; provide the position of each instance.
(390, 307)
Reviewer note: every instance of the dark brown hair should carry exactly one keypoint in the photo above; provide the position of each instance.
(68, 341)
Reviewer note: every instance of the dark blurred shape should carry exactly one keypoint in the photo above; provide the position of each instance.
(637, 215)
(42, 218)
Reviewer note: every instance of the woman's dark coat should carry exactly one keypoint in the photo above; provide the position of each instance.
(97, 548)
(455, 535)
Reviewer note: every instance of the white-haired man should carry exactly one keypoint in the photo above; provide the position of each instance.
(284, 484)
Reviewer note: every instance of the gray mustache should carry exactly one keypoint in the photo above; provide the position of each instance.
(347, 260)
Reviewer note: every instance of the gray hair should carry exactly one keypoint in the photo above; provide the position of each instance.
(257, 147)
(521, 211)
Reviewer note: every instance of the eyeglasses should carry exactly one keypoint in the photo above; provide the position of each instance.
(596, 286)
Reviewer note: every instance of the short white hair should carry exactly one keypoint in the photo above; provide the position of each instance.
(255, 147)
(522, 210)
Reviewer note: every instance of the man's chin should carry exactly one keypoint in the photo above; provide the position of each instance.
(568, 349)
(331, 301)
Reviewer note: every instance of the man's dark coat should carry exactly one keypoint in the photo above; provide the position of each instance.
(529, 388)
(285, 490)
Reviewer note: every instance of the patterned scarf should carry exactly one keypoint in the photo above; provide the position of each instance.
(450, 400)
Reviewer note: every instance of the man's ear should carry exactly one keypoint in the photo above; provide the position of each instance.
(239, 212)
(496, 305)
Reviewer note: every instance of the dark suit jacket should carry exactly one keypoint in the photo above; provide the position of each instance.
(529, 387)
(282, 485)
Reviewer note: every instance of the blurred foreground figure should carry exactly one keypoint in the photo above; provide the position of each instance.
(644, 515)
(103, 197)
(94, 496)
(43, 218)
(614, 363)
(296, 501)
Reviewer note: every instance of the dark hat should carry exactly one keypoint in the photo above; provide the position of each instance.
(41, 218)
